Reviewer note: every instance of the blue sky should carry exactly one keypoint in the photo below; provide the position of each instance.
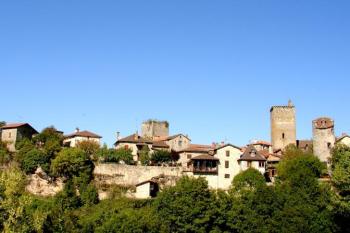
(211, 68)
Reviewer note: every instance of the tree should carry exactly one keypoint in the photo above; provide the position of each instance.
(71, 162)
(89, 147)
(145, 156)
(340, 167)
(161, 156)
(117, 155)
(304, 203)
(33, 159)
(14, 200)
(50, 140)
(185, 207)
(5, 155)
(250, 179)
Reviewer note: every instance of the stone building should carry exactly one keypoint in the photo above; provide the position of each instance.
(12, 133)
(283, 126)
(153, 128)
(323, 138)
(73, 139)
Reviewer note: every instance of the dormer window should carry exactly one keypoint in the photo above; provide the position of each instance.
(253, 153)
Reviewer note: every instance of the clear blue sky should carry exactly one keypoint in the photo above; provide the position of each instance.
(211, 68)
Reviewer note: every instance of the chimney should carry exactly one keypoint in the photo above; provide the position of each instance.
(213, 145)
(222, 143)
(118, 136)
(136, 136)
(77, 130)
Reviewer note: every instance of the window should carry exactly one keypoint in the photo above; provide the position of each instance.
(189, 156)
(283, 136)
(249, 164)
(10, 135)
(261, 164)
(126, 147)
(227, 153)
(227, 176)
(227, 164)
(329, 145)
(180, 143)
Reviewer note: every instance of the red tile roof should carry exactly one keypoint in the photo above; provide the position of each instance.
(160, 144)
(262, 143)
(205, 157)
(198, 148)
(17, 125)
(134, 138)
(84, 133)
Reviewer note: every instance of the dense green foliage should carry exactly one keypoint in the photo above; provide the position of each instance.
(5, 155)
(161, 156)
(71, 162)
(116, 156)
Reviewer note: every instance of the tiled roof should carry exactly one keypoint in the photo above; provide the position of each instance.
(262, 143)
(197, 148)
(160, 144)
(273, 158)
(265, 153)
(17, 125)
(205, 157)
(342, 137)
(84, 133)
(304, 144)
(251, 154)
(225, 145)
(134, 138)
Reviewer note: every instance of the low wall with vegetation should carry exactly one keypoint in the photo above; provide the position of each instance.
(130, 175)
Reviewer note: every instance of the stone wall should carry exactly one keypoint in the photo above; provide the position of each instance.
(128, 175)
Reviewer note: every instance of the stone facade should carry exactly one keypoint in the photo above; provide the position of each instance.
(152, 128)
(128, 175)
(323, 138)
(283, 126)
(13, 133)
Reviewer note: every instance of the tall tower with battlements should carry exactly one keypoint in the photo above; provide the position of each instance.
(323, 138)
(283, 126)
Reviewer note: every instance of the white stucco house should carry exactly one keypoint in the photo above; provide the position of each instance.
(71, 140)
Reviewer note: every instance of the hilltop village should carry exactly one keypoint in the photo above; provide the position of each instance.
(219, 163)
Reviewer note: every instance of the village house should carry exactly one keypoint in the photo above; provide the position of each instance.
(71, 140)
(344, 139)
(12, 133)
(193, 150)
(251, 158)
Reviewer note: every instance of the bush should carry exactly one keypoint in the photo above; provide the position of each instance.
(71, 162)
(33, 159)
(161, 156)
(116, 156)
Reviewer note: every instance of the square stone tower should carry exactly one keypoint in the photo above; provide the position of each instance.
(154, 128)
(283, 126)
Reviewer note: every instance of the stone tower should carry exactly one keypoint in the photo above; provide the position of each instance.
(153, 128)
(323, 138)
(283, 126)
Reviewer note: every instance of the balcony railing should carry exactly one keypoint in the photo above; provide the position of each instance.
(213, 170)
